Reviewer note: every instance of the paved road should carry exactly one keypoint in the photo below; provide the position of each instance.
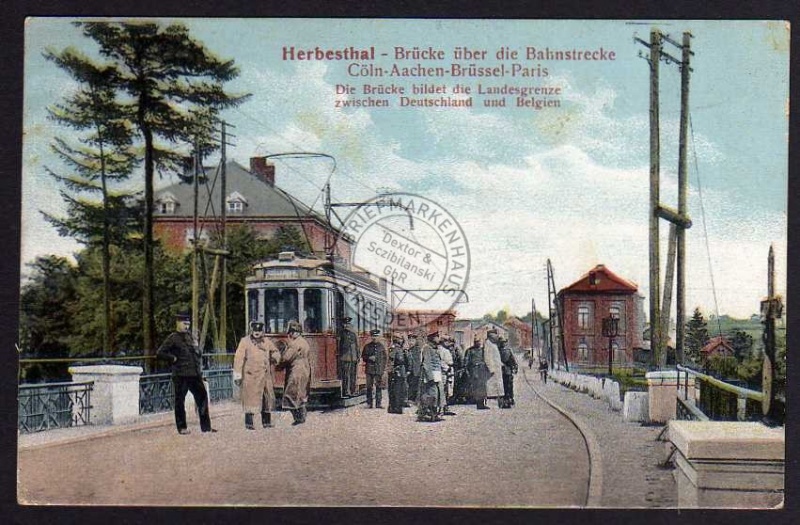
(530, 456)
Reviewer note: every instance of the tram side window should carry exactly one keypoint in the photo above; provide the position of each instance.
(252, 305)
(312, 305)
(280, 307)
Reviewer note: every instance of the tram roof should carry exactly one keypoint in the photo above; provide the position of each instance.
(354, 274)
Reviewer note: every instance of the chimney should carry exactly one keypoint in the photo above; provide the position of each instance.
(263, 170)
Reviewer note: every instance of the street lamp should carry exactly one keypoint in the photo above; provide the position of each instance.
(610, 330)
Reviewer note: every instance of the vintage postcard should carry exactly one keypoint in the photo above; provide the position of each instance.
(403, 262)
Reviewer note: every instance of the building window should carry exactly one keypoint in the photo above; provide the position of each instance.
(584, 316)
(166, 207)
(583, 353)
(617, 311)
(235, 206)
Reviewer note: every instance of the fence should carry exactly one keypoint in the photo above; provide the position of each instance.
(54, 405)
(156, 393)
(718, 400)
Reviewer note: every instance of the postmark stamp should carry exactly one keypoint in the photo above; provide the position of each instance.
(414, 243)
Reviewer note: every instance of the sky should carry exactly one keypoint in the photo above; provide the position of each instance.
(567, 183)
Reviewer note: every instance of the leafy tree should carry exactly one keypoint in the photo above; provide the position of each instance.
(742, 344)
(724, 367)
(101, 157)
(696, 336)
(287, 239)
(175, 90)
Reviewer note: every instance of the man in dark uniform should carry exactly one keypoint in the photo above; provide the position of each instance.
(414, 363)
(187, 375)
(348, 357)
(375, 358)
(510, 368)
(475, 362)
(398, 371)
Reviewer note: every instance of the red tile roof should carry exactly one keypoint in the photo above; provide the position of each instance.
(714, 343)
(604, 281)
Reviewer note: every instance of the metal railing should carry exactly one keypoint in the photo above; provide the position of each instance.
(220, 384)
(54, 405)
(156, 393)
(718, 400)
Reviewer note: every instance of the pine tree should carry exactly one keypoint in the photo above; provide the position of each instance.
(99, 159)
(174, 87)
(696, 336)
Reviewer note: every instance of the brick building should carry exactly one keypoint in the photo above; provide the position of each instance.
(520, 333)
(599, 294)
(407, 321)
(466, 330)
(252, 198)
(717, 346)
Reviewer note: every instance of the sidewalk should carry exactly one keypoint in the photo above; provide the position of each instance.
(64, 436)
(630, 456)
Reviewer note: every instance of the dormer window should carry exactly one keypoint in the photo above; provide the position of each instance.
(235, 202)
(166, 204)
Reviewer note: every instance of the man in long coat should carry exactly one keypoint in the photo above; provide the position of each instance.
(180, 349)
(398, 372)
(295, 360)
(478, 373)
(491, 353)
(253, 367)
(429, 400)
(375, 358)
(348, 357)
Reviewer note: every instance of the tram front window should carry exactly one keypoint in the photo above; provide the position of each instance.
(252, 305)
(312, 306)
(280, 307)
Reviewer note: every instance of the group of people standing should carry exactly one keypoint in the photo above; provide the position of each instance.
(429, 370)
(254, 364)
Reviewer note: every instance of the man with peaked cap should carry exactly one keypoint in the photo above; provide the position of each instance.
(297, 385)
(375, 357)
(348, 357)
(446, 358)
(509, 368)
(253, 367)
(491, 354)
(180, 349)
(398, 372)
(414, 362)
(475, 364)
(429, 400)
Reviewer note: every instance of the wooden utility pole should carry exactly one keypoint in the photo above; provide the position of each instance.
(655, 167)
(683, 185)
(222, 345)
(659, 322)
(195, 249)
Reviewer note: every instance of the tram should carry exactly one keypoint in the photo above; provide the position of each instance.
(319, 295)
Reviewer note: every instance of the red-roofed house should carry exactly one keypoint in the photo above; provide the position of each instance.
(252, 198)
(717, 346)
(598, 294)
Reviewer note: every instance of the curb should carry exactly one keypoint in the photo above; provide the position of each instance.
(594, 497)
(166, 419)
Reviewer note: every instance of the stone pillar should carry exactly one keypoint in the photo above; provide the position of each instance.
(662, 391)
(728, 464)
(115, 397)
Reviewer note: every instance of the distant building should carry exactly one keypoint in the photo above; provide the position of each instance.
(407, 321)
(599, 294)
(520, 333)
(717, 346)
(252, 198)
(466, 330)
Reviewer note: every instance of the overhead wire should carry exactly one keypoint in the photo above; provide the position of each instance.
(705, 226)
